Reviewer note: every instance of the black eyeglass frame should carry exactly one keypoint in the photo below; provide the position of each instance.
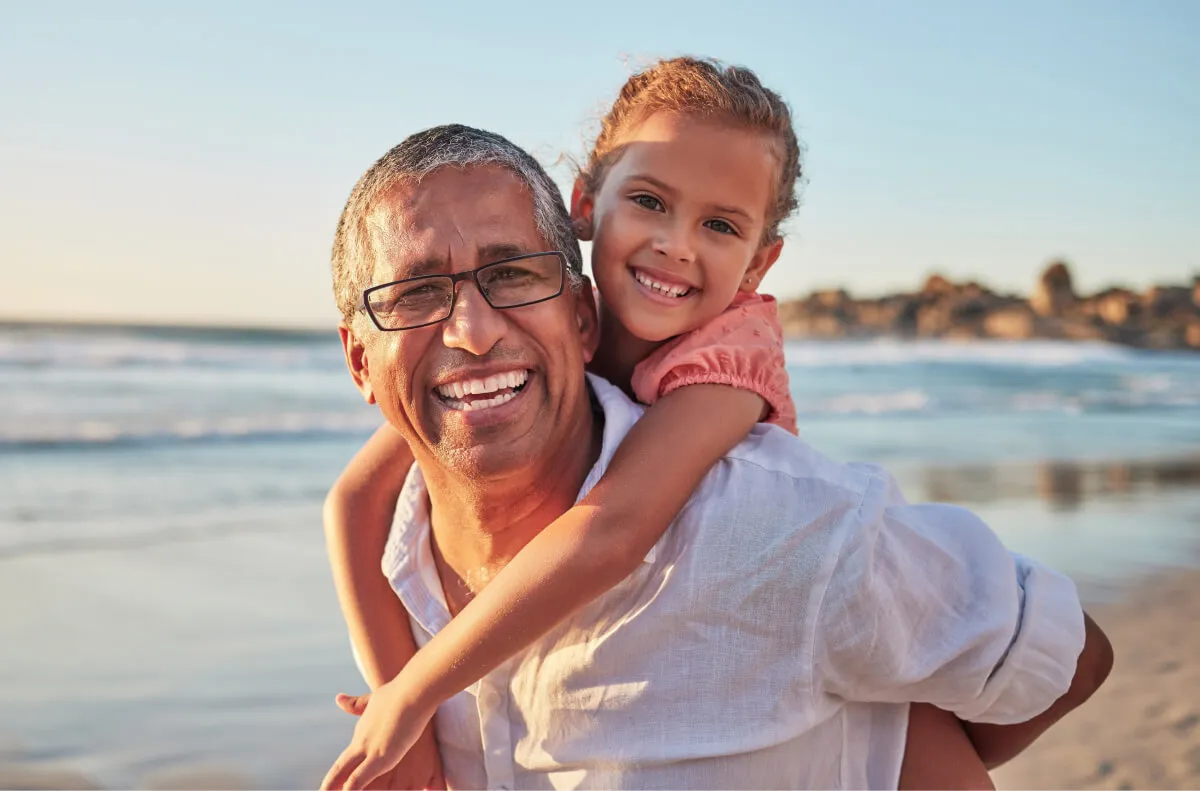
(455, 279)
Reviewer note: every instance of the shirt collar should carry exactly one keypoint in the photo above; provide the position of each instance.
(408, 555)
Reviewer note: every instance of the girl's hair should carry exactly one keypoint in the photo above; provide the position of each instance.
(704, 88)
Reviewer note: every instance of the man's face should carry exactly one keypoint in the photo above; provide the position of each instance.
(528, 360)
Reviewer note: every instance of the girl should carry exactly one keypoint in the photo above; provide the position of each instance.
(693, 172)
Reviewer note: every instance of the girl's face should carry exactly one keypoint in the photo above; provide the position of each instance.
(677, 222)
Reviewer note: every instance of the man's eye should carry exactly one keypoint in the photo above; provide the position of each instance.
(648, 202)
(417, 292)
(508, 273)
(720, 226)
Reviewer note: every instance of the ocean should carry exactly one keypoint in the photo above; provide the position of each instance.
(168, 613)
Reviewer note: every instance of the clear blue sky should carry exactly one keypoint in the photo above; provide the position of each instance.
(187, 162)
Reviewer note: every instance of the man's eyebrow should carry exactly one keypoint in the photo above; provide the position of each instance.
(500, 250)
(431, 265)
(436, 265)
(667, 188)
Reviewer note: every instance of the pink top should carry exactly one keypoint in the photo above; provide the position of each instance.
(743, 348)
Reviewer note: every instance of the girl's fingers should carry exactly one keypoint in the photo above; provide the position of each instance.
(353, 704)
(366, 772)
(335, 779)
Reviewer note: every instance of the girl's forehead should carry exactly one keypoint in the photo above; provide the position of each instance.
(696, 152)
(698, 129)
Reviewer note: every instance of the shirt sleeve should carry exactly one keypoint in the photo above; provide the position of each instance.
(742, 347)
(925, 604)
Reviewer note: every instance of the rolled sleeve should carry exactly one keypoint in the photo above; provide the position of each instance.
(1041, 661)
(925, 604)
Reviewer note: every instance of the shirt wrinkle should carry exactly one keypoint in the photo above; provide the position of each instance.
(709, 666)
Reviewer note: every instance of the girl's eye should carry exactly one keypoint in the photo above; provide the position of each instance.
(648, 202)
(720, 226)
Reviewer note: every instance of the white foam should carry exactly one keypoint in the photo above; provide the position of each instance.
(870, 403)
(94, 433)
(896, 352)
(77, 349)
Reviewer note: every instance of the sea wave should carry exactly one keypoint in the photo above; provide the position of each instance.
(100, 434)
(869, 403)
(993, 402)
(897, 352)
(111, 350)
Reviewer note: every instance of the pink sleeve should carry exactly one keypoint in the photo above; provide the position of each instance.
(742, 347)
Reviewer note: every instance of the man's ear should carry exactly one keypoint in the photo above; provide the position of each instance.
(356, 361)
(583, 203)
(587, 319)
(760, 264)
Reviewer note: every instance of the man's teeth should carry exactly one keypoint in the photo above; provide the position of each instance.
(662, 288)
(482, 403)
(454, 392)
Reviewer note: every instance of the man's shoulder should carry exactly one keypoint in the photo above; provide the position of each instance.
(773, 452)
(769, 458)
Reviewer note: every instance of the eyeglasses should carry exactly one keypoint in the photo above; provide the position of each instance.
(420, 301)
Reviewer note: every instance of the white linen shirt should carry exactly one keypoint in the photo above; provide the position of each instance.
(770, 639)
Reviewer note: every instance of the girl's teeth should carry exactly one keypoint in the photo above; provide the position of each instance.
(662, 288)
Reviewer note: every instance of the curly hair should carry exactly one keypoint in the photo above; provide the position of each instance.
(704, 88)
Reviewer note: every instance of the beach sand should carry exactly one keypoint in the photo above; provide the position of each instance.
(1142, 729)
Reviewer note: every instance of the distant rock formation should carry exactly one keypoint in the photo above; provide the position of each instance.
(1164, 317)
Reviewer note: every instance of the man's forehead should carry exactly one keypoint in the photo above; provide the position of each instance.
(452, 213)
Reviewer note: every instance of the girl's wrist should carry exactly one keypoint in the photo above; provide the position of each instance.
(420, 692)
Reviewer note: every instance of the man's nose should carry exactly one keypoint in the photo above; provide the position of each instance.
(674, 242)
(474, 326)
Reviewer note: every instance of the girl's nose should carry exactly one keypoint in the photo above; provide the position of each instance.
(675, 244)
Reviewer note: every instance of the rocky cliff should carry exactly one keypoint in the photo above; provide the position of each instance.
(1163, 317)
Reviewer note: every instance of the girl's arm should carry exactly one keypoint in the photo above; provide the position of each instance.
(594, 545)
(577, 557)
(358, 516)
(938, 753)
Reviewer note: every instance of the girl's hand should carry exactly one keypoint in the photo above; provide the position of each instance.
(393, 744)
(419, 770)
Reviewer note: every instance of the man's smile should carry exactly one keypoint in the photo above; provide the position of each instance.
(476, 393)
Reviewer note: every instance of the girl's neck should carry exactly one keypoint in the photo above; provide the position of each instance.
(619, 351)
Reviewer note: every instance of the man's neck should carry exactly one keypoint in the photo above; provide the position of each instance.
(478, 526)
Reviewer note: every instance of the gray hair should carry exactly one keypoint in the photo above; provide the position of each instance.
(419, 155)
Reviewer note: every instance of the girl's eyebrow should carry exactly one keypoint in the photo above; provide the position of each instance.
(667, 188)
(734, 210)
(662, 185)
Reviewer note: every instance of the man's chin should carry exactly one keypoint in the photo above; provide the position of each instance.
(487, 442)
(482, 463)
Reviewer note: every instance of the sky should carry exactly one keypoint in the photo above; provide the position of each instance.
(187, 162)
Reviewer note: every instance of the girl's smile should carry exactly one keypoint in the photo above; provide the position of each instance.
(663, 288)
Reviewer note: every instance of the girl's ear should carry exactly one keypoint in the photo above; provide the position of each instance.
(583, 203)
(760, 264)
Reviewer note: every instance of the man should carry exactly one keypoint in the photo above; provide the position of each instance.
(772, 636)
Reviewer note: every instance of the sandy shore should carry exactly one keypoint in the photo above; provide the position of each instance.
(1142, 729)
